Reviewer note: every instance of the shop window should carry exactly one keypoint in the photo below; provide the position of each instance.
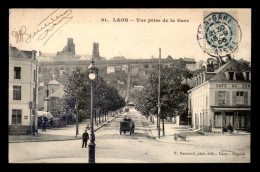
(16, 92)
(217, 119)
(16, 117)
(229, 118)
(17, 72)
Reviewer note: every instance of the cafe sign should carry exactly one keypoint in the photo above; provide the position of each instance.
(221, 85)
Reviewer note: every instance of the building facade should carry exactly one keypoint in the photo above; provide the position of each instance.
(221, 99)
(23, 91)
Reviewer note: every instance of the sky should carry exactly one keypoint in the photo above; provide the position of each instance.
(132, 39)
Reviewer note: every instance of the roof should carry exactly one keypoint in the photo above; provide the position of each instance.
(53, 82)
(189, 59)
(221, 68)
(220, 72)
(15, 52)
(190, 82)
(59, 94)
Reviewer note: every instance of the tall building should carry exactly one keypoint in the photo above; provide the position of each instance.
(68, 52)
(23, 91)
(95, 52)
(221, 98)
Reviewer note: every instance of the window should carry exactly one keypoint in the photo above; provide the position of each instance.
(247, 76)
(217, 119)
(16, 116)
(231, 75)
(240, 98)
(17, 72)
(16, 92)
(221, 98)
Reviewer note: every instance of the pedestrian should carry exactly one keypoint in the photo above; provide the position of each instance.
(85, 138)
(43, 126)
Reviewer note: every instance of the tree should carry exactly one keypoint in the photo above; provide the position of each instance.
(173, 92)
(77, 89)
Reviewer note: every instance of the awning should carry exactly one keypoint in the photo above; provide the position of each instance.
(45, 114)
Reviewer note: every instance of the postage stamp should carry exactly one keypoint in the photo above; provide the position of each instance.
(219, 34)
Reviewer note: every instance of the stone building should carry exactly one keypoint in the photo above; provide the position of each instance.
(23, 91)
(221, 98)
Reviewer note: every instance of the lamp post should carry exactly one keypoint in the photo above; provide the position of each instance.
(93, 72)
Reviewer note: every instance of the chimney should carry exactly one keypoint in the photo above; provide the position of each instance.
(210, 67)
(34, 54)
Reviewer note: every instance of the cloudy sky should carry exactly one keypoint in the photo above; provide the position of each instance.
(47, 30)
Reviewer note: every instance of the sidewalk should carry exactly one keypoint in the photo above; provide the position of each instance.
(228, 141)
(170, 129)
(59, 134)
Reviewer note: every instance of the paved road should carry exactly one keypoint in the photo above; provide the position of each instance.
(111, 147)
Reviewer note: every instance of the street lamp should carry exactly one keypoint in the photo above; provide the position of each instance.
(93, 73)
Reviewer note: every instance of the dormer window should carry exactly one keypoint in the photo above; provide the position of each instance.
(231, 75)
(247, 75)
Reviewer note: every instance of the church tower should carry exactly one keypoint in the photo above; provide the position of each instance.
(95, 52)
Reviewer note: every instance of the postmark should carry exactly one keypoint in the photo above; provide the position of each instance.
(219, 34)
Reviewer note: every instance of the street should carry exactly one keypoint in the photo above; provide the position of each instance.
(140, 147)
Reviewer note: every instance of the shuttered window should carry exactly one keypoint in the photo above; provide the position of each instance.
(240, 98)
(220, 98)
(245, 98)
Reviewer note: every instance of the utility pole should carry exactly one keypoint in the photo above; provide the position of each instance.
(77, 118)
(159, 95)
(35, 91)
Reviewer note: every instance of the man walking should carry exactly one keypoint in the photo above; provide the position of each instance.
(85, 138)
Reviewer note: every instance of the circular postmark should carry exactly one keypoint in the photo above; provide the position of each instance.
(219, 34)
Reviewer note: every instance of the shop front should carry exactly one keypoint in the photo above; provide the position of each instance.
(228, 119)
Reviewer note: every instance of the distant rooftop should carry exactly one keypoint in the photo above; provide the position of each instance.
(53, 82)
(59, 94)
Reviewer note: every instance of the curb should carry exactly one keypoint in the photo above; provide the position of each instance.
(106, 123)
(25, 141)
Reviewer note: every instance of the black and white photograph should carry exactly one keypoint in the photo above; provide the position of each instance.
(129, 85)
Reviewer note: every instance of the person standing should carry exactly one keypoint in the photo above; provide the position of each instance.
(85, 138)
(43, 126)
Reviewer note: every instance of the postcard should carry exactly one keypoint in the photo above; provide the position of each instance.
(129, 85)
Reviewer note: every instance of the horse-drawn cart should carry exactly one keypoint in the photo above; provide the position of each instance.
(127, 126)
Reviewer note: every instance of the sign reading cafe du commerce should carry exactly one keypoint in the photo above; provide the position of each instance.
(220, 85)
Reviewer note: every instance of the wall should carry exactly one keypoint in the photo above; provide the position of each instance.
(27, 84)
